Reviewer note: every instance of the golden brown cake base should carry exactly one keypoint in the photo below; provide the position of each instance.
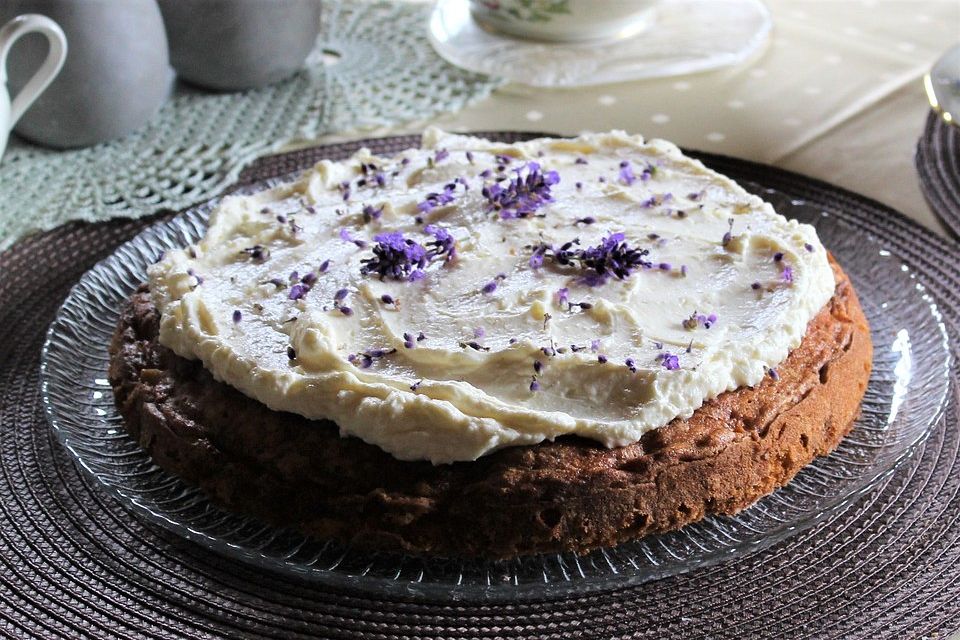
(571, 494)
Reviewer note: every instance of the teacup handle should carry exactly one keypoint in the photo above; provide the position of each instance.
(13, 31)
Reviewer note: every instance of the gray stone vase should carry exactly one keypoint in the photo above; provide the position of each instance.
(239, 44)
(117, 73)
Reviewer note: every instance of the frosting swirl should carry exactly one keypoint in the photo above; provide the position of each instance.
(471, 295)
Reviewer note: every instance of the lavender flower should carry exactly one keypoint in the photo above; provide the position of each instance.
(367, 358)
(728, 236)
(237, 316)
(773, 374)
(612, 257)
(395, 256)
(347, 237)
(524, 194)
(258, 253)
(372, 213)
(626, 173)
(297, 291)
(442, 244)
(669, 361)
(698, 319)
(787, 274)
(434, 200)
(536, 260)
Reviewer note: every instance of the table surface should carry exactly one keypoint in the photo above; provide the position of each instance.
(836, 94)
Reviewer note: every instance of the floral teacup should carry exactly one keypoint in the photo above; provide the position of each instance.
(564, 20)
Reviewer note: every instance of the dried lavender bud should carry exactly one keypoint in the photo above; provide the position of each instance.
(523, 194)
(395, 256)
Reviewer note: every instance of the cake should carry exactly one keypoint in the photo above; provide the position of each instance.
(481, 349)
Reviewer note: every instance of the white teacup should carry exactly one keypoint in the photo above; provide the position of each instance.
(564, 20)
(10, 33)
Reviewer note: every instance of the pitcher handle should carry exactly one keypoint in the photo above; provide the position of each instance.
(13, 31)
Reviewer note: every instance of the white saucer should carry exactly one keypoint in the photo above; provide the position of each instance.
(686, 36)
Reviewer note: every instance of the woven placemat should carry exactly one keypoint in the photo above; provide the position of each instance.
(73, 562)
(938, 163)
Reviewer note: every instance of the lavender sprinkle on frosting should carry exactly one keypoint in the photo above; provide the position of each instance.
(522, 195)
(396, 257)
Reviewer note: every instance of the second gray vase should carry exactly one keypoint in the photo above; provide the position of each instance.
(239, 44)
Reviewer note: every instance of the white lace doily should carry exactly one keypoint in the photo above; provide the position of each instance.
(385, 72)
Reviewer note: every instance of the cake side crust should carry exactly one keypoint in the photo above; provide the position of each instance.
(570, 494)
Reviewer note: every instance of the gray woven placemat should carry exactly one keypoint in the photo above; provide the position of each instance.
(938, 163)
(73, 562)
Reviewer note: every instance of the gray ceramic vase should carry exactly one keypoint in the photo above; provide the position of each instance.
(116, 76)
(239, 44)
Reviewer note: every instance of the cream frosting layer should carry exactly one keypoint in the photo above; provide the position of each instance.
(533, 319)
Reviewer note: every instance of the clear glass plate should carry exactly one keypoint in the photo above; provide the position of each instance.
(685, 36)
(905, 397)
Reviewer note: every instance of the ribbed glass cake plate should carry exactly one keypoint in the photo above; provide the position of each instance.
(906, 394)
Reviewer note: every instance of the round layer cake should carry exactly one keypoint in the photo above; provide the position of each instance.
(485, 349)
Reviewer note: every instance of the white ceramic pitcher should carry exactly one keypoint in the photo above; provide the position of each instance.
(10, 112)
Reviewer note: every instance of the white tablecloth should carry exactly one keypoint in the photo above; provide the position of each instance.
(837, 94)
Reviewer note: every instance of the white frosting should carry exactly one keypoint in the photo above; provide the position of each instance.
(443, 400)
